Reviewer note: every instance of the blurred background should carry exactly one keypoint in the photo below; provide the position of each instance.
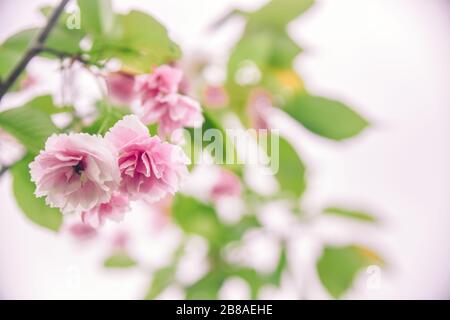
(390, 59)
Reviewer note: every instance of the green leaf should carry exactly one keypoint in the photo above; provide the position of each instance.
(97, 16)
(353, 214)
(34, 208)
(291, 170)
(278, 13)
(46, 105)
(195, 217)
(161, 279)
(107, 118)
(328, 118)
(281, 266)
(12, 50)
(207, 288)
(30, 126)
(338, 266)
(139, 41)
(119, 260)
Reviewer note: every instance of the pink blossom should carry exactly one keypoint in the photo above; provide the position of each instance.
(215, 96)
(121, 87)
(227, 185)
(164, 80)
(82, 231)
(163, 104)
(149, 168)
(258, 107)
(114, 210)
(172, 112)
(75, 172)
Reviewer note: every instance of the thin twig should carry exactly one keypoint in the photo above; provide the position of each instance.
(34, 49)
(3, 170)
(74, 57)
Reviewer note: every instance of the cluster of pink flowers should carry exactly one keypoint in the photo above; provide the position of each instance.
(163, 104)
(159, 97)
(98, 176)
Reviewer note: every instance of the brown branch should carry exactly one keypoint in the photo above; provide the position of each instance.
(34, 49)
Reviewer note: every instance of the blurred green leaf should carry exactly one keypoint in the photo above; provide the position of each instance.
(34, 208)
(97, 16)
(161, 279)
(107, 118)
(46, 105)
(338, 266)
(12, 49)
(30, 126)
(328, 118)
(207, 288)
(281, 266)
(119, 259)
(359, 215)
(139, 41)
(195, 217)
(291, 170)
(277, 14)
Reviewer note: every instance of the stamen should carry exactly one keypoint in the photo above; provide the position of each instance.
(79, 168)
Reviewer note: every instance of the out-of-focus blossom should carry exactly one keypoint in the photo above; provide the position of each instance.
(162, 103)
(259, 103)
(28, 81)
(114, 210)
(81, 231)
(164, 80)
(215, 97)
(75, 172)
(120, 240)
(149, 168)
(172, 112)
(10, 149)
(121, 87)
(226, 185)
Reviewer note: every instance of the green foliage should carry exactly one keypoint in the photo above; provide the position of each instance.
(119, 259)
(291, 170)
(12, 49)
(195, 217)
(107, 118)
(34, 208)
(161, 279)
(97, 17)
(137, 39)
(347, 213)
(328, 118)
(45, 104)
(29, 125)
(276, 14)
(338, 266)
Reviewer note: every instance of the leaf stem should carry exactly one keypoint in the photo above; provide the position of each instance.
(34, 49)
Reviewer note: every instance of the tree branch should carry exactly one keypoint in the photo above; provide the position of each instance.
(34, 49)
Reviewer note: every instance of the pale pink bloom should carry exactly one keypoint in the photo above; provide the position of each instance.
(82, 231)
(259, 104)
(114, 210)
(227, 185)
(164, 80)
(120, 240)
(121, 87)
(172, 112)
(215, 97)
(75, 172)
(149, 168)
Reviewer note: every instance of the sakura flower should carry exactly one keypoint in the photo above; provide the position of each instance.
(75, 172)
(172, 112)
(227, 185)
(121, 87)
(164, 80)
(215, 96)
(150, 168)
(114, 210)
(81, 231)
(163, 105)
